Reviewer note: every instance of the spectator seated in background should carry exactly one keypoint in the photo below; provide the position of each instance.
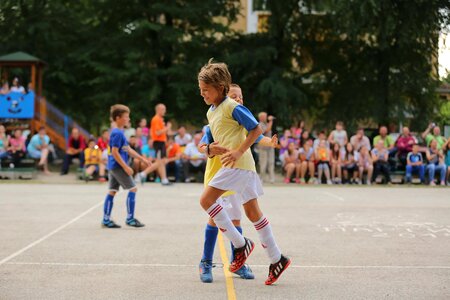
(183, 138)
(365, 164)
(446, 152)
(173, 161)
(380, 157)
(339, 136)
(140, 139)
(38, 148)
(291, 163)
(436, 163)
(404, 145)
(322, 137)
(17, 148)
(414, 164)
(157, 166)
(307, 157)
(4, 140)
(323, 162)
(75, 149)
(17, 87)
(93, 162)
(145, 131)
(285, 140)
(336, 163)
(359, 140)
(304, 138)
(349, 164)
(193, 159)
(388, 141)
(103, 140)
(435, 135)
(135, 163)
(5, 88)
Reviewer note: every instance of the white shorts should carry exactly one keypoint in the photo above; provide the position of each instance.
(232, 205)
(244, 182)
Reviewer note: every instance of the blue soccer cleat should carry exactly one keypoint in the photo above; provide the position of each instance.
(205, 270)
(245, 272)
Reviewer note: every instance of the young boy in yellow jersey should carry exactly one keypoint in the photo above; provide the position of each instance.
(93, 162)
(228, 123)
(229, 200)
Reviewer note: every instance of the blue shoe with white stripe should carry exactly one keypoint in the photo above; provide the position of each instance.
(134, 223)
(245, 272)
(205, 270)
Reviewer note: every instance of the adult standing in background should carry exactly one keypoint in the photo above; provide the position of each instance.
(266, 154)
(159, 130)
(433, 132)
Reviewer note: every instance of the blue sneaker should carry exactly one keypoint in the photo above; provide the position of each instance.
(205, 270)
(245, 272)
(110, 224)
(134, 223)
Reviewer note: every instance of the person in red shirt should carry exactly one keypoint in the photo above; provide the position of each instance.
(159, 131)
(75, 149)
(103, 140)
(404, 144)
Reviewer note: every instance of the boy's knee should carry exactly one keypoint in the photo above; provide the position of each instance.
(134, 190)
(112, 193)
(236, 223)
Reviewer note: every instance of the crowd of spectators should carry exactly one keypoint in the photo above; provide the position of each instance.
(305, 157)
(335, 158)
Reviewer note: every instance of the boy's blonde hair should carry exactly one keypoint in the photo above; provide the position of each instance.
(217, 75)
(118, 110)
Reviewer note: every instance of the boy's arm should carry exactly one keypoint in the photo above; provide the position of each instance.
(134, 154)
(269, 142)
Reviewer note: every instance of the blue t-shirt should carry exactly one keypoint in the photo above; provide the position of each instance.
(118, 140)
(148, 152)
(414, 157)
(37, 141)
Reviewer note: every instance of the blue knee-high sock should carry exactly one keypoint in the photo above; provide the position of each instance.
(131, 203)
(210, 242)
(107, 207)
(239, 228)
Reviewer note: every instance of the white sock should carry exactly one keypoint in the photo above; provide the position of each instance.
(143, 174)
(265, 234)
(165, 180)
(223, 221)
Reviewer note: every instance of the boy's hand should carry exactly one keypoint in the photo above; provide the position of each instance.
(230, 158)
(129, 170)
(274, 141)
(147, 162)
(216, 149)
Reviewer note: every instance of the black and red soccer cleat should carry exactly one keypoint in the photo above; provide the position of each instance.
(241, 254)
(276, 269)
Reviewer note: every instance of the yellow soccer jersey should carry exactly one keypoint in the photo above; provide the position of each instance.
(228, 123)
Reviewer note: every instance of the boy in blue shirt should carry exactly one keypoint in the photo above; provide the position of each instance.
(120, 174)
(415, 164)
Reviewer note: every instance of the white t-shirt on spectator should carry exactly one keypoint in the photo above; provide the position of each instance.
(183, 141)
(17, 89)
(339, 137)
(192, 151)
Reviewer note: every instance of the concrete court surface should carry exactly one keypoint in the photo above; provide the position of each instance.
(344, 242)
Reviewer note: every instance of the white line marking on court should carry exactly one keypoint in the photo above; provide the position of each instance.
(6, 259)
(333, 196)
(63, 264)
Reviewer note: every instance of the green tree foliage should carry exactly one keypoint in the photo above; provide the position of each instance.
(320, 60)
(376, 58)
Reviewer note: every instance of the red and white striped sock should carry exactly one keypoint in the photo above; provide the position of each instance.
(265, 234)
(223, 221)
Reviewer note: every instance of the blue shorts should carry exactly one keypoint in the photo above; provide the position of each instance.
(33, 153)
